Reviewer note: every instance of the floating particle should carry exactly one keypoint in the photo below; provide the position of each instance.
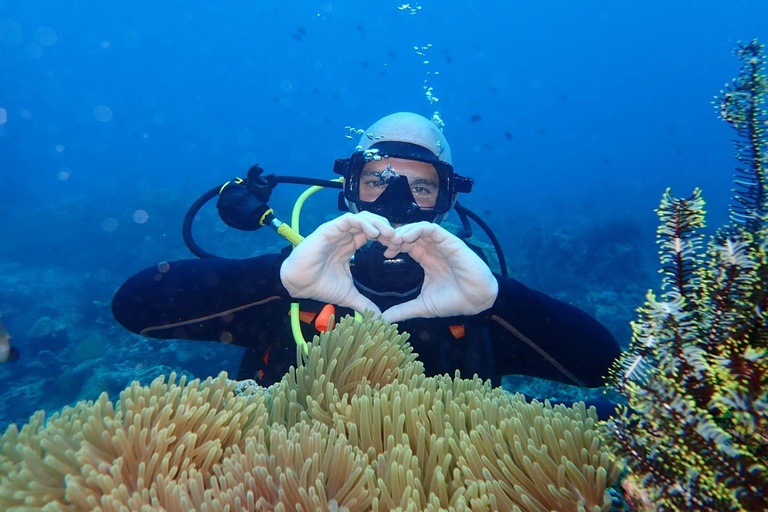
(46, 36)
(109, 224)
(102, 113)
(140, 216)
(10, 33)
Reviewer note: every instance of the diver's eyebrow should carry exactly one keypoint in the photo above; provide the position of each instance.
(422, 181)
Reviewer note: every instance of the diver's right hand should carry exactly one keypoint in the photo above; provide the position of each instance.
(318, 268)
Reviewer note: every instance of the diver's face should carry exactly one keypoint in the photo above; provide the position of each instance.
(422, 179)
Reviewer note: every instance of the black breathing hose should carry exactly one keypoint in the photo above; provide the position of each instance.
(186, 226)
(465, 212)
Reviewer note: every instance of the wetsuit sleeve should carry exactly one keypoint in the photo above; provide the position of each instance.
(538, 335)
(235, 301)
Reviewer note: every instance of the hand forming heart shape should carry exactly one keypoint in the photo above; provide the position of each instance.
(456, 280)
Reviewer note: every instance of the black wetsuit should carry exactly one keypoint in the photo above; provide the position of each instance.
(244, 302)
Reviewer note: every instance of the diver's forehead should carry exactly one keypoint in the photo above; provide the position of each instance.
(401, 165)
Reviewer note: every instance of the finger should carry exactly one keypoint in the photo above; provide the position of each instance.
(411, 239)
(391, 252)
(356, 224)
(412, 232)
(405, 311)
(379, 222)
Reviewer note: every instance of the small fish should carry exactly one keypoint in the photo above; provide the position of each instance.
(448, 59)
(7, 352)
(509, 136)
(475, 118)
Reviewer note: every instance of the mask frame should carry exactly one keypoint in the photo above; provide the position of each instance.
(396, 203)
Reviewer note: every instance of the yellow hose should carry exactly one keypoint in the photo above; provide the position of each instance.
(295, 238)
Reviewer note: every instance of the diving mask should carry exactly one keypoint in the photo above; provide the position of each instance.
(400, 181)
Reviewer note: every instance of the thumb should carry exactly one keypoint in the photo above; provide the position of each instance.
(405, 311)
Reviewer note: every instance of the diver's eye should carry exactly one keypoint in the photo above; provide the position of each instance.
(422, 191)
(375, 183)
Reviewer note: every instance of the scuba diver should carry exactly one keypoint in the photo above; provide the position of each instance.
(388, 254)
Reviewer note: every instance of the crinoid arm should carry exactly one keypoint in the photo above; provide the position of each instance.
(695, 434)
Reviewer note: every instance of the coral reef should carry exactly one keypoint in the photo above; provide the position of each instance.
(695, 435)
(356, 425)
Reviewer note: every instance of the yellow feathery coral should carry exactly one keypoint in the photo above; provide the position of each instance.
(696, 373)
(356, 426)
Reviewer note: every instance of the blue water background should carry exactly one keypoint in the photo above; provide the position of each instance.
(573, 117)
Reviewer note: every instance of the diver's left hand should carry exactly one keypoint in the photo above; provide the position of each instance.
(318, 268)
(456, 281)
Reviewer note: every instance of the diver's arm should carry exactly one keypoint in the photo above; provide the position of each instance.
(208, 299)
(541, 336)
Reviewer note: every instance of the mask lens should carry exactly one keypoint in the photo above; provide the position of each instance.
(399, 181)
(422, 179)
